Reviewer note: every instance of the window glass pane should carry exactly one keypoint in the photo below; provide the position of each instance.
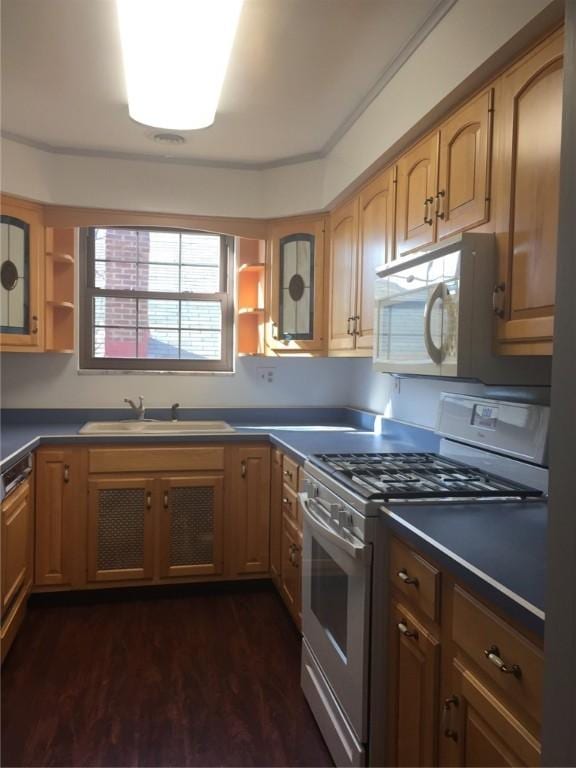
(116, 244)
(159, 277)
(201, 279)
(200, 250)
(200, 345)
(163, 247)
(111, 311)
(115, 275)
(155, 313)
(158, 343)
(114, 342)
(201, 315)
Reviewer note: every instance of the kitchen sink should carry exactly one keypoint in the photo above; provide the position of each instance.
(136, 427)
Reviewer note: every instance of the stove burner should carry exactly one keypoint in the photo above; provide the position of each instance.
(384, 476)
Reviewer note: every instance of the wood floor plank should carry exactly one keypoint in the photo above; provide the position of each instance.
(195, 680)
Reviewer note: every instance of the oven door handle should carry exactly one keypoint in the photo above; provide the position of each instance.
(352, 548)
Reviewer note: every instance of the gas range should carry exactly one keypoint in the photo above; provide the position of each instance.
(410, 477)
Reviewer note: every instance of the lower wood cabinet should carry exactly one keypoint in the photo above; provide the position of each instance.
(291, 571)
(16, 564)
(60, 503)
(413, 688)
(479, 729)
(251, 468)
(191, 526)
(120, 528)
(465, 687)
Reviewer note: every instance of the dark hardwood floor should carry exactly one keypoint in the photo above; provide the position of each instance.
(205, 679)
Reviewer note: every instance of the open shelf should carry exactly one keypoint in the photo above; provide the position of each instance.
(250, 296)
(60, 270)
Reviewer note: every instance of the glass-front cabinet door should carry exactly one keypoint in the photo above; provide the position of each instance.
(21, 239)
(296, 322)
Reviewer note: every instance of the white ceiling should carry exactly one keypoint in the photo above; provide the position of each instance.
(301, 71)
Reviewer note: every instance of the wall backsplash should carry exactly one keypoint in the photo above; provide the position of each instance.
(416, 399)
(52, 381)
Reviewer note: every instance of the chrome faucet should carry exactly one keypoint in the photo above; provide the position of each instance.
(138, 409)
(174, 411)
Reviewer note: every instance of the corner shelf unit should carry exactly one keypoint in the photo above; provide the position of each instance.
(60, 266)
(251, 280)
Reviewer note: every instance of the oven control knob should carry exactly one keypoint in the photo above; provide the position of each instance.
(311, 489)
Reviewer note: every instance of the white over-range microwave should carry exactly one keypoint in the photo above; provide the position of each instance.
(435, 317)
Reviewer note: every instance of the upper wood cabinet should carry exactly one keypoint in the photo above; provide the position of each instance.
(296, 287)
(362, 239)
(251, 531)
(343, 270)
(527, 188)
(417, 189)
(21, 276)
(59, 560)
(444, 181)
(377, 212)
(191, 526)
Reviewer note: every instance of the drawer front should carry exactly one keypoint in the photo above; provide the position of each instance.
(290, 473)
(415, 578)
(171, 459)
(290, 506)
(502, 653)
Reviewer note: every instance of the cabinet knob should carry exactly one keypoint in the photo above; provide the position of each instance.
(403, 576)
(403, 628)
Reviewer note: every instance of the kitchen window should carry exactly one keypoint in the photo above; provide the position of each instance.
(156, 300)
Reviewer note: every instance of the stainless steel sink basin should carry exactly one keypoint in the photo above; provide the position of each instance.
(135, 427)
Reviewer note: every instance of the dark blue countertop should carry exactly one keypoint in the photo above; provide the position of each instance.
(498, 549)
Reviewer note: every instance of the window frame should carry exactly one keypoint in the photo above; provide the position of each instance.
(88, 291)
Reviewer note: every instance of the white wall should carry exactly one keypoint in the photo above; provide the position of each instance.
(415, 400)
(465, 38)
(52, 381)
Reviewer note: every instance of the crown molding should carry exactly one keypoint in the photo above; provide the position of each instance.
(439, 11)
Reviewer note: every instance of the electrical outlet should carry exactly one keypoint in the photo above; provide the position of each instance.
(266, 374)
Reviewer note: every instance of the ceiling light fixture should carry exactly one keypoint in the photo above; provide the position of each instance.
(175, 55)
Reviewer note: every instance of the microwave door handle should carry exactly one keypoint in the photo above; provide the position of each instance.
(354, 549)
(436, 354)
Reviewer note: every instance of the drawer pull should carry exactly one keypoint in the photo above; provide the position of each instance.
(403, 628)
(449, 703)
(403, 575)
(493, 655)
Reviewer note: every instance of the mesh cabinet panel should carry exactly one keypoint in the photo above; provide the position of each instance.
(121, 514)
(192, 525)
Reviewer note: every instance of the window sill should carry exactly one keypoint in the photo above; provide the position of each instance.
(114, 372)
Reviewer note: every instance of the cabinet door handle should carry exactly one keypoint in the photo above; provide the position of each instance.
(148, 499)
(35, 321)
(166, 500)
(427, 217)
(449, 704)
(242, 469)
(440, 204)
(498, 299)
(403, 628)
(493, 655)
(66, 473)
(349, 330)
(275, 331)
(403, 576)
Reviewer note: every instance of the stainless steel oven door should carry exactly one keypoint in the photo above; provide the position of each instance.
(336, 582)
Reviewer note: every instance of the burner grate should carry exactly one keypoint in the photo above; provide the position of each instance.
(382, 476)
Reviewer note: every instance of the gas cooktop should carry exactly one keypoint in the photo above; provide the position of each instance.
(407, 476)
